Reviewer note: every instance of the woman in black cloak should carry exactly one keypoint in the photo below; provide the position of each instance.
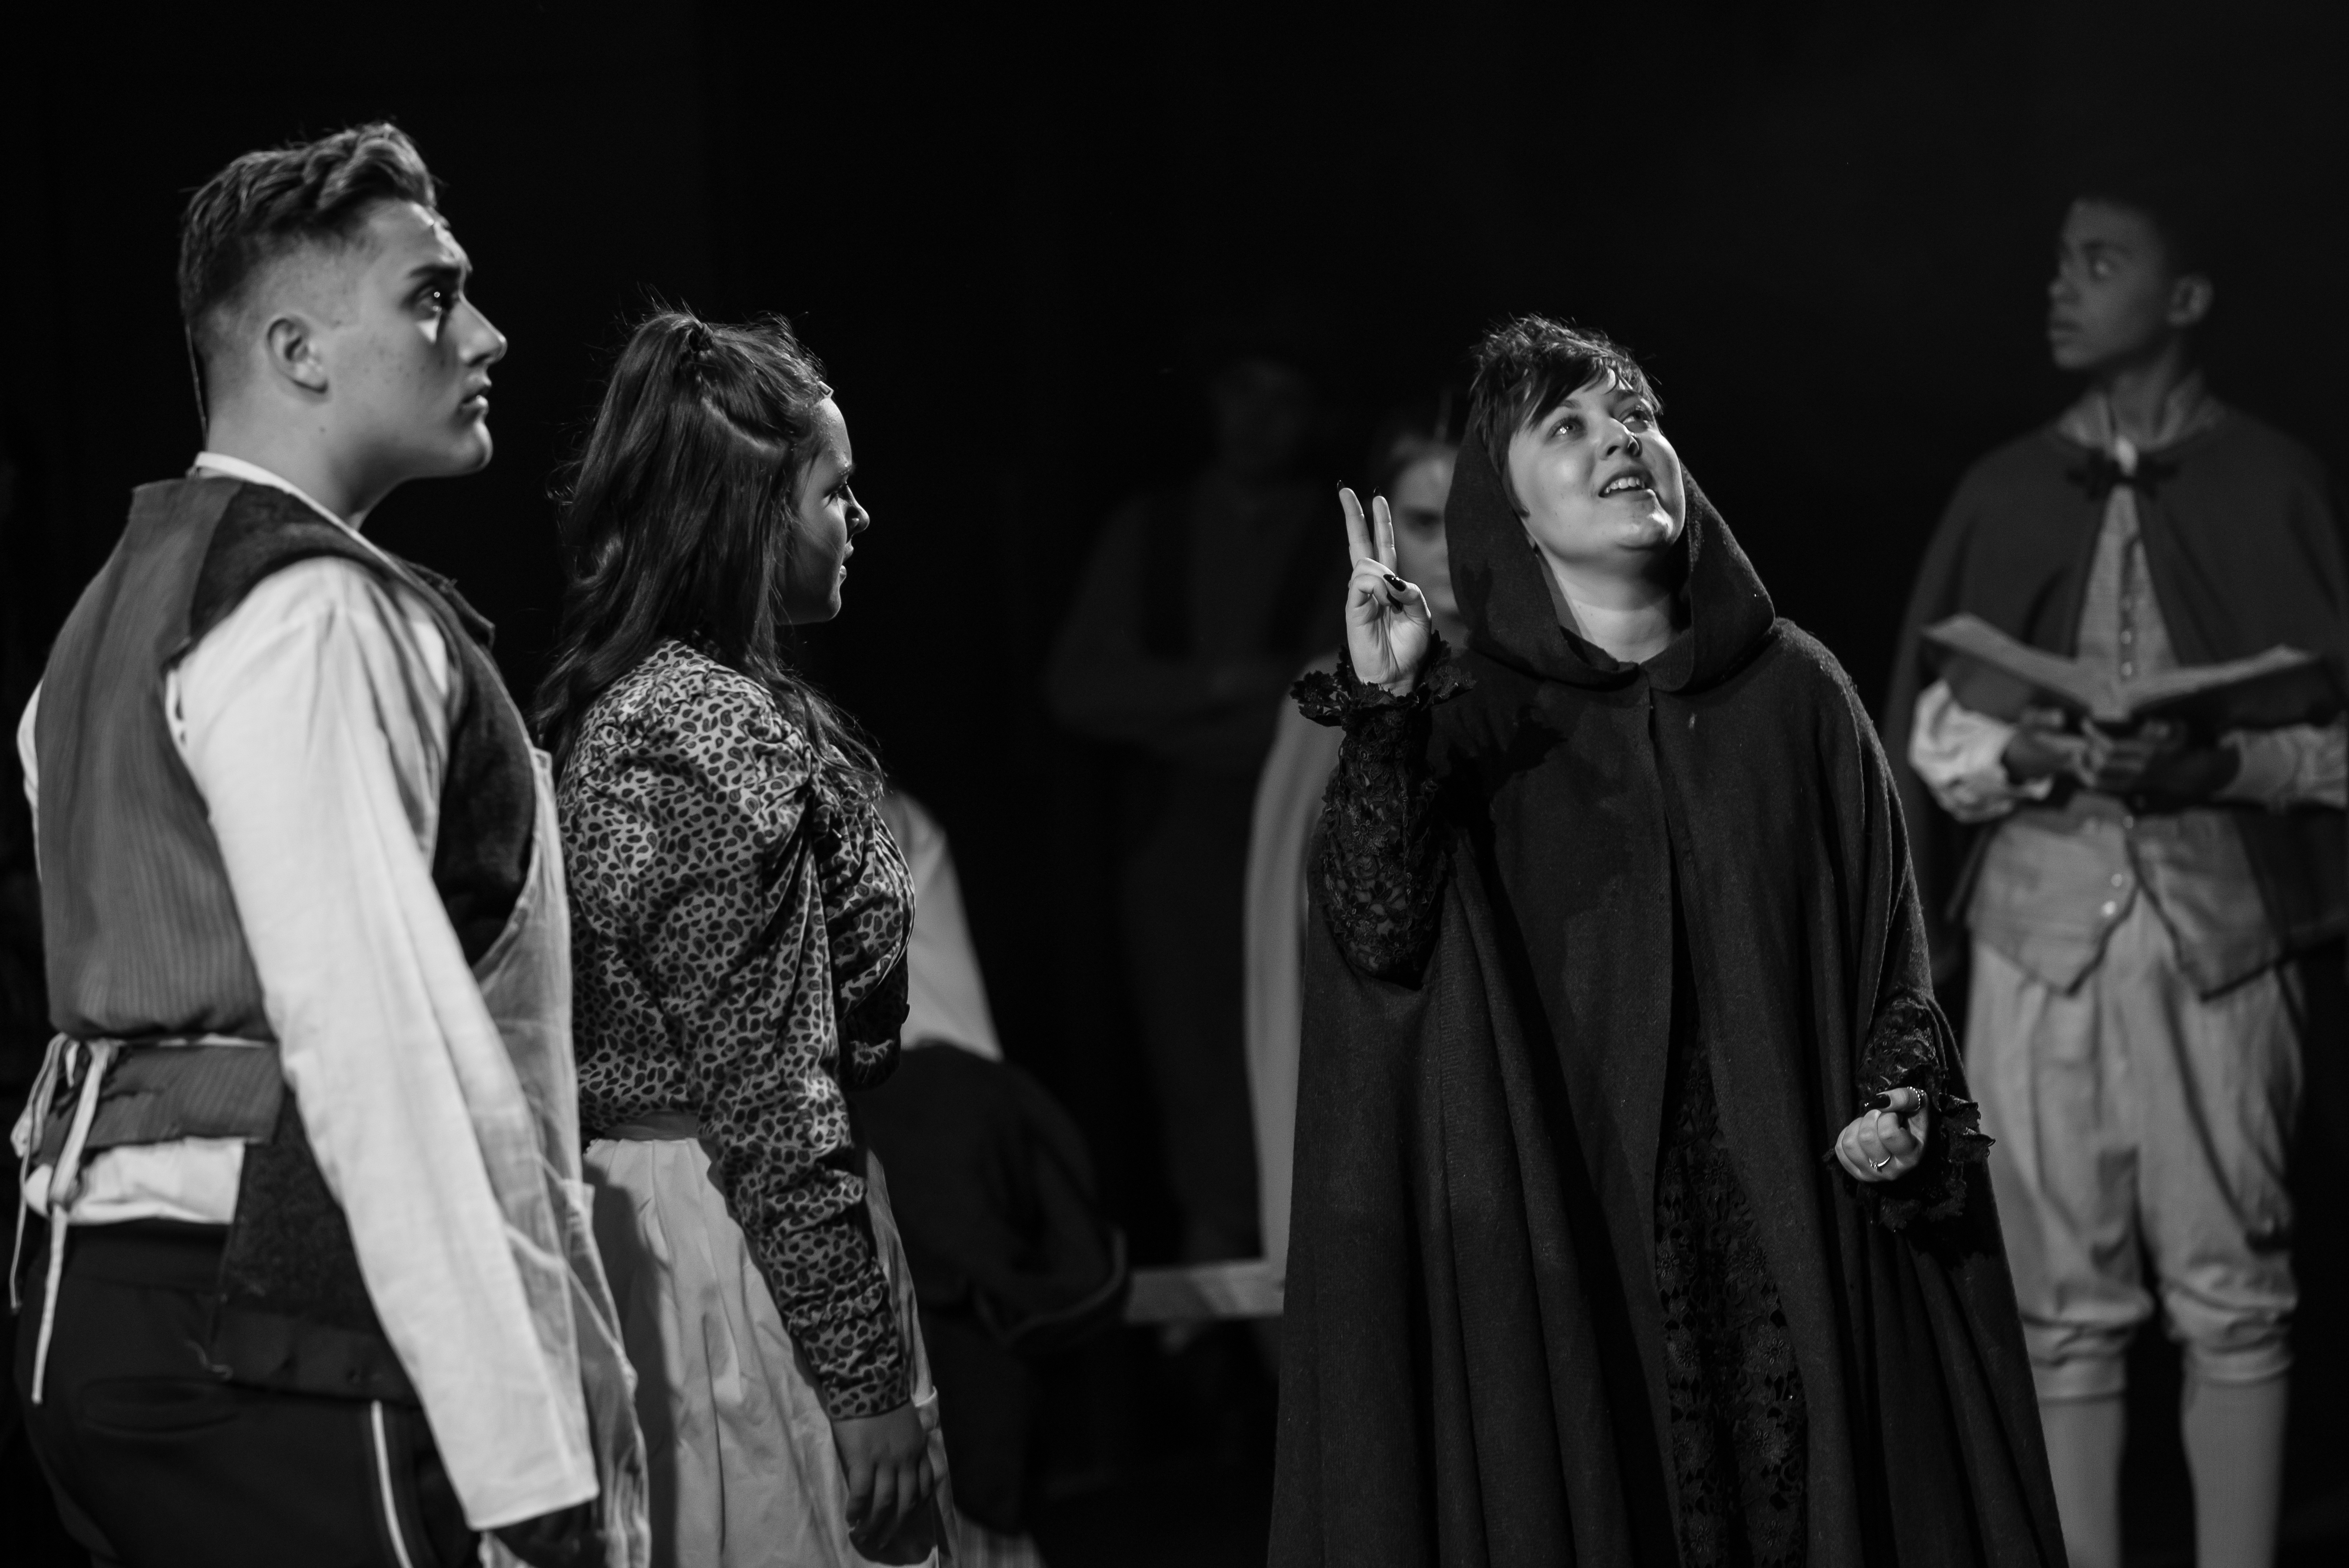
(1637, 1212)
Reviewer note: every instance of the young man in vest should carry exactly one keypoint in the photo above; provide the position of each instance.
(314, 1287)
(2145, 912)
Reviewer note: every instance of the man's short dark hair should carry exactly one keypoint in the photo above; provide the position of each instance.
(2173, 203)
(267, 203)
(1527, 367)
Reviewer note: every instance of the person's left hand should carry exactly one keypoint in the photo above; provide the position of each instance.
(885, 1460)
(2159, 759)
(1887, 1144)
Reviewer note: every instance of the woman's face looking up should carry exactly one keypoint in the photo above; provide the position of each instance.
(1599, 486)
(824, 524)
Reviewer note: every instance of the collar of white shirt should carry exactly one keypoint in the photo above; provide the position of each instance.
(230, 468)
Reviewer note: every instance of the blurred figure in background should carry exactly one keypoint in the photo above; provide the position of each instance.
(2147, 915)
(1010, 1256)
(1194, 613)
(1410, 463)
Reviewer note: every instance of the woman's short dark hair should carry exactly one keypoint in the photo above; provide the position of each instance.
(677, 522)
(267, 203)
(1529, 366)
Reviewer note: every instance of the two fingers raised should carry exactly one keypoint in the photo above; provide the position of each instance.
(1369, 538)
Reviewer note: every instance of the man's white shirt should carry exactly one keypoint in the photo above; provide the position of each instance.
(314, 719)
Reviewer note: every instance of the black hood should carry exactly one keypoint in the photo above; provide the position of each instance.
(1512, 620)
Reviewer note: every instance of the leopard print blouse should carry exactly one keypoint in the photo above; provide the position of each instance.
(739, 929)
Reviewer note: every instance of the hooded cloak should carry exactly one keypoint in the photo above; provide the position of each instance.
(2243, 552)
(1613, 868)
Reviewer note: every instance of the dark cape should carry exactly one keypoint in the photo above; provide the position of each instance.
(1706, 850)
(2244, 552)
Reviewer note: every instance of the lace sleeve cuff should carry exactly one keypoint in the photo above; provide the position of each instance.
(1380, 868)
(1904, 1051)
(1337, 697)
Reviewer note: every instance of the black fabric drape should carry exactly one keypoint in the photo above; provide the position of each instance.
(1470, 1364)
(1012, 1259)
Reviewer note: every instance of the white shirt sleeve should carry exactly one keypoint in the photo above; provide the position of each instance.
(29, 756)
(1960, 756)
(315, 720)
(946, 996)
(2300, 765)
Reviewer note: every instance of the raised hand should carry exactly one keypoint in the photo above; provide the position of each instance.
(1389, 628)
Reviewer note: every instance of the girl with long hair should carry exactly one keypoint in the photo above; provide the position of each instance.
(741, 916)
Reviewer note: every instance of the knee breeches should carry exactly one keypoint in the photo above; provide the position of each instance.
(2141, 1127)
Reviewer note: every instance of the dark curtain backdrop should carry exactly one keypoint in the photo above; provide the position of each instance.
(1011, 234)
(1019, 235)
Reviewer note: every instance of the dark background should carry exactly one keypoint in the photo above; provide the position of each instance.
(1016, 238)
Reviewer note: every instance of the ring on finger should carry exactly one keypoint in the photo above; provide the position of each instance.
(1881, 1164)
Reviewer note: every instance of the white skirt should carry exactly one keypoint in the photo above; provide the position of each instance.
(744, 1473)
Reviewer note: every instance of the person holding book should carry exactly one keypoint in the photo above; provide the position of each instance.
(2141, 902)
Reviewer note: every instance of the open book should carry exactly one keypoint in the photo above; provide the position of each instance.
(1992, 673)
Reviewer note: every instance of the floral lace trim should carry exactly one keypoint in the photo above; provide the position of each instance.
(1904, 1051)
(1739, 1421)
(1337, 697)
(1379, 869)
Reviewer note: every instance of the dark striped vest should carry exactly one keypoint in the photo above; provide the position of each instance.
(141, 927)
